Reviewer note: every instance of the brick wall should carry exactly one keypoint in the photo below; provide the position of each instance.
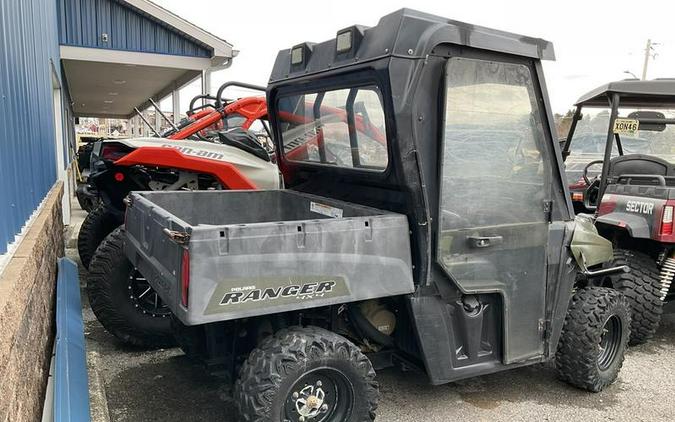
(27, 288)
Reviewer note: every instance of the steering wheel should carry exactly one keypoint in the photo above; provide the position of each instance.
(585, 173)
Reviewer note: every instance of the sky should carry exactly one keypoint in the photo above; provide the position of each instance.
(595, 40)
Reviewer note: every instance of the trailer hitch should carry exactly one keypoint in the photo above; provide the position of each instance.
(606, 271)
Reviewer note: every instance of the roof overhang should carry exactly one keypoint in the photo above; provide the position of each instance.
(111, 83)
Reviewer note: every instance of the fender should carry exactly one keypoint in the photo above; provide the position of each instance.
(226, 173)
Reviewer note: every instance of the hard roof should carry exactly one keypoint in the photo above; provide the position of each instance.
(413, 34)
(633, 92)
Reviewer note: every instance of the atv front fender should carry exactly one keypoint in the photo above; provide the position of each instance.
(588, 247)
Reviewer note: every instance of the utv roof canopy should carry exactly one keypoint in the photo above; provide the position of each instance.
(633, 93)
(405, 33)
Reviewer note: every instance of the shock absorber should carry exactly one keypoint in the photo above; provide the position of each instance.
(667, 274)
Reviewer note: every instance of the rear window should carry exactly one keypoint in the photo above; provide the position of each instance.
(342, 127)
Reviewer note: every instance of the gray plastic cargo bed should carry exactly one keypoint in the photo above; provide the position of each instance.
(260, 252)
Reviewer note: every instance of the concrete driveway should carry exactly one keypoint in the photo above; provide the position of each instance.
(131, 385)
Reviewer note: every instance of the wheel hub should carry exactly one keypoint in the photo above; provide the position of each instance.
(144, 298)
(309, 402)
(321, 395)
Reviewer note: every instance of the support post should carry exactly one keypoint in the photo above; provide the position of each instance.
(175, 99)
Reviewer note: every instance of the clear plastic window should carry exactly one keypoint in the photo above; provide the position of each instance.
(493, 170)
(343, 127)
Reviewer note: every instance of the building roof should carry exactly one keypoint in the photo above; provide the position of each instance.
(118, 53)
(219, 47)
(633, 93)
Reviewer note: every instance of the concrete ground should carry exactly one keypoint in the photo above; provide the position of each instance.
(131, 385)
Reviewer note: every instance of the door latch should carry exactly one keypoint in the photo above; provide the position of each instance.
(484, 241)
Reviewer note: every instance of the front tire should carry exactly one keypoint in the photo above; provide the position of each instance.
(642, 288)
(308, 373)
(594, 338)
(122, 301)
(98, 224)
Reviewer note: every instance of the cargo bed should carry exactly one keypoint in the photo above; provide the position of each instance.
(252, 253)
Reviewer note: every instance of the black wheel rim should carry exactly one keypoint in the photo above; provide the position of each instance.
(144, 297)
(321, 395)
(610, 342)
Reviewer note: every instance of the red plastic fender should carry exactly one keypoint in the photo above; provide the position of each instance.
(226, 173)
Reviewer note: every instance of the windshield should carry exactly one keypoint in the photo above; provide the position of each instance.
(590, 137)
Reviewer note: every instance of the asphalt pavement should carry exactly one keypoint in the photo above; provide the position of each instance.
(129, 385)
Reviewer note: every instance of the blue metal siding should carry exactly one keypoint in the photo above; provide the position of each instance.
(28, 47)
(82, 23)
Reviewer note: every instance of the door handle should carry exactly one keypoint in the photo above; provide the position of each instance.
(484, 241)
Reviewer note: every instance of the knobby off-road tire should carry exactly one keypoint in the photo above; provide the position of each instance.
(295, 360)
(642, 287)
(113, 302)
(85, 202)
(96, 226)
(594, 338)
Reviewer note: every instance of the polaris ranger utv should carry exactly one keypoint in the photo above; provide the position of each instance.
(634, 195)
(446, 246)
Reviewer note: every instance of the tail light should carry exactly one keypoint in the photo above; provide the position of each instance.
(607, 205)
(113, 152)
(185, 277)
(667, 221)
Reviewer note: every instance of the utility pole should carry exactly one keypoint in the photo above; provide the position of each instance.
(648, 54)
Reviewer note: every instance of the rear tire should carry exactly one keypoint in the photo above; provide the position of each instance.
(319, 366)
(121, 311)
(96, 226)
(642, 288)
(594, 338)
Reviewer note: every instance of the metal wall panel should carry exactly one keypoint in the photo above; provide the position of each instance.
(83, 23)
(29, 51)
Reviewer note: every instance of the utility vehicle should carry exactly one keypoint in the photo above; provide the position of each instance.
(634, 193)
(426, 225)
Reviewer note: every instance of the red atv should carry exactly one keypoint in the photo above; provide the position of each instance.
(633, 195)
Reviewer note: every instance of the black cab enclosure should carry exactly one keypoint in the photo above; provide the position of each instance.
(469, 157)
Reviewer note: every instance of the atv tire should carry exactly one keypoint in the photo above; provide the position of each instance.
(594, 338)
(642, 288)
(98, 224)
(302, 370)
(122, 311)
(86, 202)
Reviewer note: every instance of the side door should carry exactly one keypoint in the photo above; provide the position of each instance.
(496, 180)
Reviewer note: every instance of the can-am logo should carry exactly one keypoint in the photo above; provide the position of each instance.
(195, 152)
(299, 291)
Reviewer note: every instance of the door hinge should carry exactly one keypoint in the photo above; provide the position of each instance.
(544, 328)
(548, 210)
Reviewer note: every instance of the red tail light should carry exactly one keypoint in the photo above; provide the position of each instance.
(607, 205)
(185, 277)
(666, 221)
(113, 152)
